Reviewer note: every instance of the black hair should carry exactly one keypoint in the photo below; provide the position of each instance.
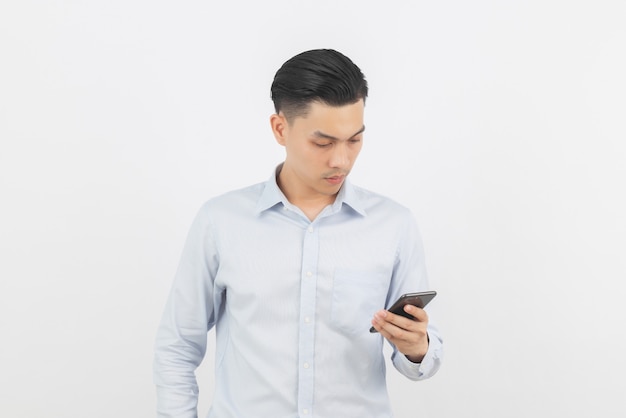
(322, 75)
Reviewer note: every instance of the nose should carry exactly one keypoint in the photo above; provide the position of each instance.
(340, 157)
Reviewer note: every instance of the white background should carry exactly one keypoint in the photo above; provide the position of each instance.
(501, 124)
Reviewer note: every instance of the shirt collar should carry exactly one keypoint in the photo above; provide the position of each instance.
(348, 195)
(272, 195)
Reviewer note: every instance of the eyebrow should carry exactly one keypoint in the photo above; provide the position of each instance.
(319, 134)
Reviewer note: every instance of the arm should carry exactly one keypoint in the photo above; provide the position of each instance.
(182, 335)
(417, 345)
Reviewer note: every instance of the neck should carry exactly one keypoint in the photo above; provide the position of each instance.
(310, 202)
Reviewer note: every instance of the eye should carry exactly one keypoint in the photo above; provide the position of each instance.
(355, 140)
(323, 144)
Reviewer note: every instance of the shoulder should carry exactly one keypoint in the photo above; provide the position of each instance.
(374, 202)
(246, 194)
(242, 200)
(387, 217)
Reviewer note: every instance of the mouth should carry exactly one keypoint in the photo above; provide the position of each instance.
(334, 180)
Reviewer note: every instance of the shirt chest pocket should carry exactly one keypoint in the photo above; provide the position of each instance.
(356, 296)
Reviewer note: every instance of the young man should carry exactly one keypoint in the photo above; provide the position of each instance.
(294, 271)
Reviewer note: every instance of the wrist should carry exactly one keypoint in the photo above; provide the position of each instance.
(414, 359)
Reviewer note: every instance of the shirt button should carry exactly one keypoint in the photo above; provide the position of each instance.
(307, 319)
(310, 229)
(305, 411)
(306, 365)
(309, 274)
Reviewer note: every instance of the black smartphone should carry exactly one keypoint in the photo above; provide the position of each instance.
(419, 299)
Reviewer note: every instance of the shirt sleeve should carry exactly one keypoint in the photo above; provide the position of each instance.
(409, 275)
(430, 363)
(181, 337)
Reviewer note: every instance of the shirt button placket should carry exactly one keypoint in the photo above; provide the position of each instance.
(308, 291)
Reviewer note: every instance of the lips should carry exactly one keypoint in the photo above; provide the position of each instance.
(334, 180)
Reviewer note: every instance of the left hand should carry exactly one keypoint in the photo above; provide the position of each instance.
(409, 336)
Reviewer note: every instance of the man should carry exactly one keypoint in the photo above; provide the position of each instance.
(294, 271)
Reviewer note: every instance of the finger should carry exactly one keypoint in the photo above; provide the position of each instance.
(385, 328)
(398, 336)
(392, 326)
(382, 322)
(419, 314)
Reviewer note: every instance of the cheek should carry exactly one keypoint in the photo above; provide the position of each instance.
(355, 153)
(296, 152)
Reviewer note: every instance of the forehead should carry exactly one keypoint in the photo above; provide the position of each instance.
(338, 121)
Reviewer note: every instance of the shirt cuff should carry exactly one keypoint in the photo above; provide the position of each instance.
(429, 365)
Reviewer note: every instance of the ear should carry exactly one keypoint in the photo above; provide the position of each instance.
(279, 127)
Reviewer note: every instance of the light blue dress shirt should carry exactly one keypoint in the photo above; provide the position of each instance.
(291, 301)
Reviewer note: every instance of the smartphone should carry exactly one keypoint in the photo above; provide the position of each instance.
(419, 299)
